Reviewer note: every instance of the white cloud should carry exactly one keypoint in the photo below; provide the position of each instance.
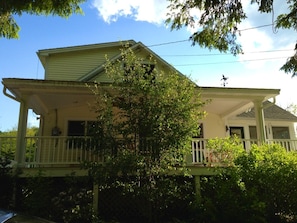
(152, 11)
(254, 43)
(259, 37)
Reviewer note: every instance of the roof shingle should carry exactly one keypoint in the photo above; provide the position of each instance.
(271, 111)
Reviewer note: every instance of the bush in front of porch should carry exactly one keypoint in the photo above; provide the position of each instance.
(259, 187)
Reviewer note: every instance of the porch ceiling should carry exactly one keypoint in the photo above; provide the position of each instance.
(44, 102)
(228, 107)
(45, 95)
(226, 102)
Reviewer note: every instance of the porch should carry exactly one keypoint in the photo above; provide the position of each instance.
(64, 152)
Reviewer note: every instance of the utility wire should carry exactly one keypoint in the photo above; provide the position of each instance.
(186, 40)
(220, 54)
(168, 43)
(241, 30)
(225, 62)
(256, 27)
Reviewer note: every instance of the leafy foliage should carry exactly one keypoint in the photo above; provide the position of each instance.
(260, 187)
(8, 26)
(74, 203)
(36, 194)
(290, 66)
(226, 150)
(146, 119)
(8, 143)
(7, 181)
(217, 23)
(292, 108)
(148, 111)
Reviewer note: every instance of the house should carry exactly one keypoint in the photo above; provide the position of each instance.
(61, 101)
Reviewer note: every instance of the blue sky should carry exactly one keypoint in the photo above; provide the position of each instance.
(118, 20)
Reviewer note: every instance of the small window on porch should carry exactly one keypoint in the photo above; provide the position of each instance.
(279, 132)
(253, 132)
(78, 130)
(81, 128)
(237, 131)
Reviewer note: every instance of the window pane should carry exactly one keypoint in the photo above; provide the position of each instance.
(237, 131)
(253, 132)
(76, 128)
(92, 128)
(280, 132)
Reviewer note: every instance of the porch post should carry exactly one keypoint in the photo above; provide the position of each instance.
(21, 134)
(95, 198)
(260, 124)
(197, 187)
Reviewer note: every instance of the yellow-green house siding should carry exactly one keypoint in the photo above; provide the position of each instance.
(71, 66)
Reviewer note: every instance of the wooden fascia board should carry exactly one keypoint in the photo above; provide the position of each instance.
(21, 86)
(239, 93)
(42, 54)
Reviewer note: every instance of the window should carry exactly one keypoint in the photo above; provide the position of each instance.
(237, 131)
(280, 132)
(253, 132)
(81, 128)
(77, 129)
(145, 69)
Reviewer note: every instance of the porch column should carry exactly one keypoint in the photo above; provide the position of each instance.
(95, 197)
(21, 134)
(197, 187)
(260, 124)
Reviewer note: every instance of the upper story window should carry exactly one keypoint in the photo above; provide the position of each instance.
(146, 69)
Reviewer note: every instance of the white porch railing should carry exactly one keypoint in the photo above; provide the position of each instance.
(203, 155)
(64, 151)
(48, 151)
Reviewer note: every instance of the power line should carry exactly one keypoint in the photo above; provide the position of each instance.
(225, 62)
(256, 27)
(167, 43)
(186, 40)
(220, 54)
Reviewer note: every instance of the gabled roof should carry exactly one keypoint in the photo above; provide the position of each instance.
(271, 111)
(135, 46)
(42, 54)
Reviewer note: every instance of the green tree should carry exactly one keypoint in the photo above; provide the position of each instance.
(292, 108)
(145, 121)
(8, 142)
(8, 26)
(259, 187)
(219, 20)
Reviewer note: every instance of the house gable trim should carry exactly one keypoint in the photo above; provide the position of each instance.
(89, 76)
(43, 54)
